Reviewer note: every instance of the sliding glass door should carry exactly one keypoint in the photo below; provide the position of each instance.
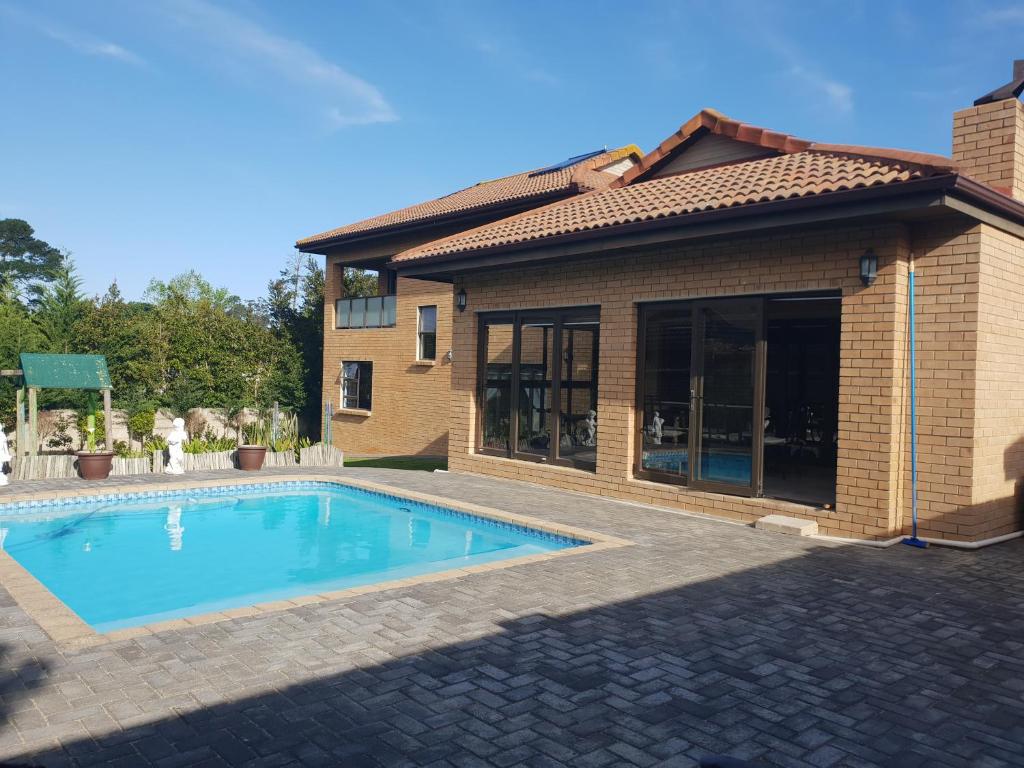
(537, 392)
(727, 394)
(700, 394)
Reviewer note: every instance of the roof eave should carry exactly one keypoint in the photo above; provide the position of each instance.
(501, 209)
(863, 201)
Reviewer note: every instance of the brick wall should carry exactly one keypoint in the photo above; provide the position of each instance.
(998, 439)
(410, 401)
(946, 265)
(873, 460)
(988, 144)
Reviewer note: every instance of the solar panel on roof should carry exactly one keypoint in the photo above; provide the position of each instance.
(566, 163)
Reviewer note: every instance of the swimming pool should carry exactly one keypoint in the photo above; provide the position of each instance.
(141, 558)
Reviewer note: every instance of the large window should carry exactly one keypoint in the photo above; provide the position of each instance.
(538, 385)
(426, 334)
(357, 385)
(365, 312)
(741, 395)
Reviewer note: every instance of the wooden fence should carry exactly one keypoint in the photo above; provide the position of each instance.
(44, 467)
(54, 466)
(321, 455)
(123, 466)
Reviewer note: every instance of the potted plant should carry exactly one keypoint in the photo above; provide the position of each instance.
(93, 464)
(252, 452)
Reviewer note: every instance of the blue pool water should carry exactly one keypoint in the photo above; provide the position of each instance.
(723, 467)
(143, 558)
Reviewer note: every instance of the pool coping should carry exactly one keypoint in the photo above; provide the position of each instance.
(65, 627)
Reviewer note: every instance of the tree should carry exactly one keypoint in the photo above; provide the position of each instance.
(25, 260)
(18, 333)
(295, 308)
(215, 356)
(359, 282)
(191, 288)
(60, 306)
(129, 336)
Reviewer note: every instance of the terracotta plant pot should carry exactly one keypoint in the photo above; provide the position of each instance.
(95, 466)
(250, 457)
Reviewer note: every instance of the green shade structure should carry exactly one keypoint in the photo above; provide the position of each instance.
(42, 371)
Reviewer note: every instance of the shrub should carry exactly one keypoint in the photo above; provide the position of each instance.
(60, 437)
(203, 445)
(141, 425)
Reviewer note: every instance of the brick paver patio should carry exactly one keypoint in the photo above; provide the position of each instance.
(706, 637)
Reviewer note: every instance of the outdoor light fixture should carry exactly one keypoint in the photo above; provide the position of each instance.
(868, 267)
(460, 300)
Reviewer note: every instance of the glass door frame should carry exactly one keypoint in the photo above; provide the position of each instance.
(697, 379)
(696, 306)
(559, 316)
(554, 371)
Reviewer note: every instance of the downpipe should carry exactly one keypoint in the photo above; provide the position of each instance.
(913, 540)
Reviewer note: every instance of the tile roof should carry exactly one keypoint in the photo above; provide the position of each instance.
(578, 177)
(802, 169)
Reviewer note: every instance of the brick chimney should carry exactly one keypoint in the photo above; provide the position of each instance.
(988, 138)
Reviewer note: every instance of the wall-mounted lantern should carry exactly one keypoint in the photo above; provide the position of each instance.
(460, 300)
(868, 267)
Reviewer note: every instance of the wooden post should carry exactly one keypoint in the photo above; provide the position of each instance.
(33, 420)
(21, 434)
(108, 420)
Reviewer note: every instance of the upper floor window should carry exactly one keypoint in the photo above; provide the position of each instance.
(426, 336)
(357, 385)
(365, 312)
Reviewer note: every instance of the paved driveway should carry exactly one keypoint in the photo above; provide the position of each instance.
(706, 637)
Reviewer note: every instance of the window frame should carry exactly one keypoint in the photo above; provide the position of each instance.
(559, 316)
(358, 379)
(420, 333)
(383, 313)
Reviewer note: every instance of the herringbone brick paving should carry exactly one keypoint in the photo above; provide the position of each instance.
(705, 637)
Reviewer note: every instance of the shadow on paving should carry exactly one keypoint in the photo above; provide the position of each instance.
(17, 684)
(835, 657)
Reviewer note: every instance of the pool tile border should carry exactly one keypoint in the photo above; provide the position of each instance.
(66, 628)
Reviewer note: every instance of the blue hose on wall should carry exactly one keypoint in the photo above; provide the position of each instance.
(913, 541)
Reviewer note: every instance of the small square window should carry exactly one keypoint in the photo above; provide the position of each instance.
(357, 385)
(426, 336)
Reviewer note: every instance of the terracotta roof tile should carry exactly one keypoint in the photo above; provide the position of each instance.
(580, 177)
(712, 121)
(811, 171)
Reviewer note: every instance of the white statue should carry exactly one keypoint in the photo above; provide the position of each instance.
(176, 440)
(590, 428)
(5, 455)
(173, 526)
(656, 425)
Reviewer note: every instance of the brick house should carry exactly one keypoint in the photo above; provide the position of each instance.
(386, 367)
(725, 330)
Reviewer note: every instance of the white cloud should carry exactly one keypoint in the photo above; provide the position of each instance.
(77, 40)
(1010, 15)
(349, 100)
(839, 95)
(92, 47)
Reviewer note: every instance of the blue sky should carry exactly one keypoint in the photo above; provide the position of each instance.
(150, 138)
